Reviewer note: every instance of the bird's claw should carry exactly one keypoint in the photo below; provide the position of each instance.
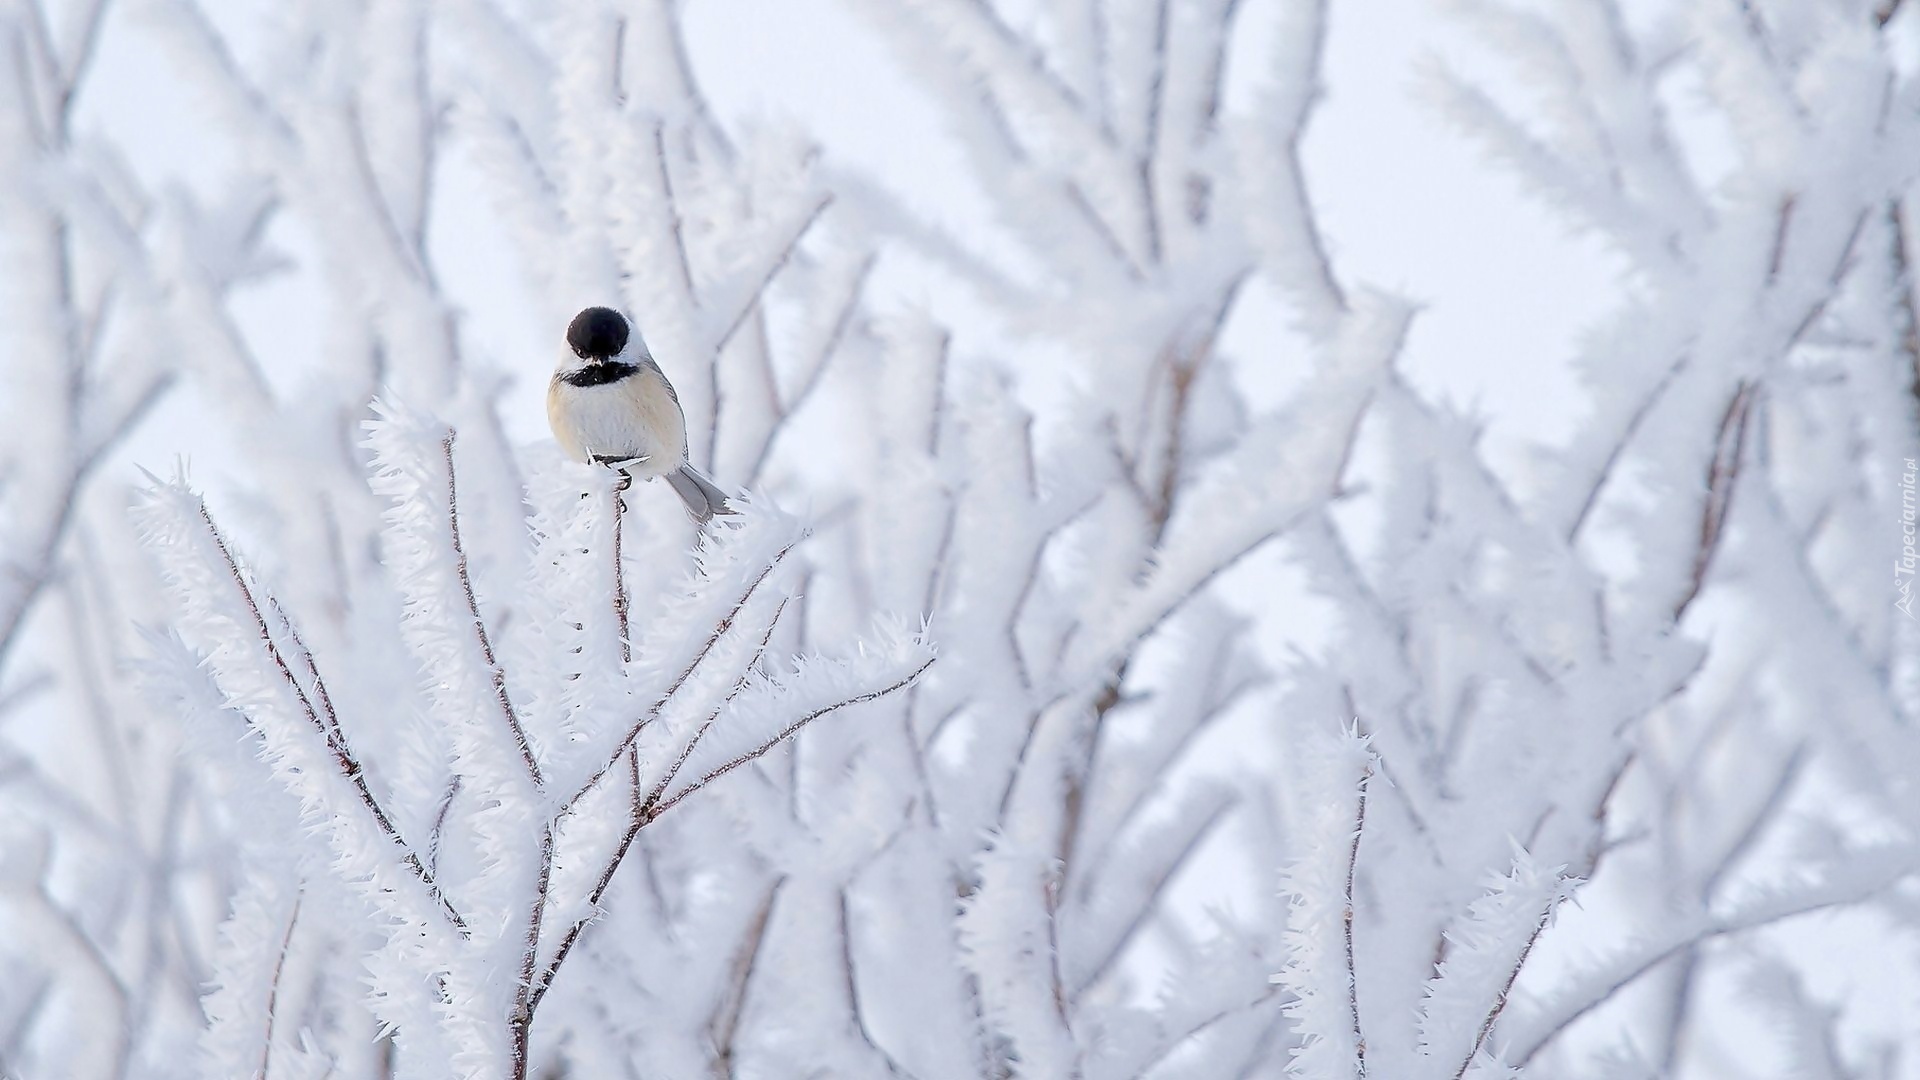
(621, 464)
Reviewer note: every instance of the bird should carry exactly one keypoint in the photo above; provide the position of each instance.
(610, 404)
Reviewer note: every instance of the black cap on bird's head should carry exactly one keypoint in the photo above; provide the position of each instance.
(597, 334)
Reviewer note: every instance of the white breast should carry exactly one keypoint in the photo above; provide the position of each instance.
(634, 417)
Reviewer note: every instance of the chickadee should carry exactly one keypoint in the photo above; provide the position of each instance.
(610, 404)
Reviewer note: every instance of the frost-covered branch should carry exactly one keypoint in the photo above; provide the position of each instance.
(532, 884)
(1862, 874)
(444, 713)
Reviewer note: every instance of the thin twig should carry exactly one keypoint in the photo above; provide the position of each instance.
(440, 824)
(686, 751)
(520, 1024)
(1877, 869)
(1167, 1046)
(327, 712)
(1346, 920)
(682, 260)
(498, 673)
(784, 734)
(649, 812)
(1500, 1002)
(1148, 905)
(853, 990)
(1723, 472)
(642, 813)
(633, 733)
(836, 333)
(1607, 469)
(273, 990)
(725, 1024)
(76, 68)
(343, 757)
(1909, 316)
(773, 268)
(619, 570)
(1102, 231)
(406, 257)
(1767, 812)
(38, 571)
(1150, 151)
(1782, 224)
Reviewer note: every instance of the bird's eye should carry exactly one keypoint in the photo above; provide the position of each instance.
(597, 333)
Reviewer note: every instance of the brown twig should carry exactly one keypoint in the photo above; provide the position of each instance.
(499, 675)
(336, 741)
(620, 487)
(1723, 471)
(1903, 263)
(836, 333)
(686, 751)
(772, 270)
(327, 712)
(1500, 1002)
(1346, 921)
(38, 571)
(853, 990)
(783, 735)
(520, 1023)
(641, 813)
(633, 733)
(1155, 888)
(675, 225)
(726, 1017)
(1150, 151)
(650, 811)
(440, 824)
(273, 991)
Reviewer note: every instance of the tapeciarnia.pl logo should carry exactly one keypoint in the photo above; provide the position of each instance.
(1903, 568)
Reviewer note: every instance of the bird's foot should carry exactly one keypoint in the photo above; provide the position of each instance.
(619, 463)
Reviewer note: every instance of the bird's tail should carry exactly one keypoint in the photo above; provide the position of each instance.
(703, 499)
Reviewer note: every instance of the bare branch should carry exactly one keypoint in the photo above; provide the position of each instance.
(675, 223)
(686, 751)
(713, 639)
(1163, 877)
(520, 1023)
(498, 673)
(757, 294)
(37, 571)
(1346, 924)
(785, 733)
(440, 824)
(620, 487)
(852, 989)
(1864, 874)
(1723, 471)
(1500, 1001)
(642, 813)
(725, 1024)
(814, 371)
(343, 758)
(273, 990)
